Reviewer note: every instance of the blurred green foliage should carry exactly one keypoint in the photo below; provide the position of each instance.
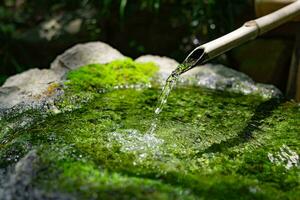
(33, 32)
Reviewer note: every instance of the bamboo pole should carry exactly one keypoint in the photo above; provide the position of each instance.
(264, 7)
(249, 31)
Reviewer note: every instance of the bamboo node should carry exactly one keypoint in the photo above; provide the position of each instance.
(250, 23)
(253, 23)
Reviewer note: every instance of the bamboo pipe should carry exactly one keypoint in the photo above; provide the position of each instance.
(264, 7)
(249, 31)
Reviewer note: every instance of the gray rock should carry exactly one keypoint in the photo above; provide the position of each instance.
(18, 181)
(30, 88)
(84, 54)
(33, 81)
(27, 87)
(166, 65)
(9, 97)
(219, 77)
(17, 184)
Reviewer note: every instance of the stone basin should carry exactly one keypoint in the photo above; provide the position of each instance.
(211, 142)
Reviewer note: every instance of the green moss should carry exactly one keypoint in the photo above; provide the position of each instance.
(80, 178)
(117, 73)
(90, 148)
(208, 145)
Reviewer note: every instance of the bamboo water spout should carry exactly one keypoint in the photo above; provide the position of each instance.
(249, 31)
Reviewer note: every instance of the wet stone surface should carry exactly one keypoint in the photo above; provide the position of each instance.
(94, 144)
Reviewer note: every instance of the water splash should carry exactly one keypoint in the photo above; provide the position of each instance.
(285, 156)
(132, 141)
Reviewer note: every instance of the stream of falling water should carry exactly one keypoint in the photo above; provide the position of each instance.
(170, 83)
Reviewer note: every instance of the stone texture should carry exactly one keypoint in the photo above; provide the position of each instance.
(212, 76)
(27, 87)
(31, 87)
(84, 54)
(9, 96)
(20, 178)
(33, 81)
(17, 184)
(219, 77)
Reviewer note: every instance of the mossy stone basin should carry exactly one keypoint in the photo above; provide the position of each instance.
(94, 145)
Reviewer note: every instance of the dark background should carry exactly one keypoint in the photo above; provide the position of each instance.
(34, 32)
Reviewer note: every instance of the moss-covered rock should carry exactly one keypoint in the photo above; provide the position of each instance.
(115, 74)
(208, 144)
